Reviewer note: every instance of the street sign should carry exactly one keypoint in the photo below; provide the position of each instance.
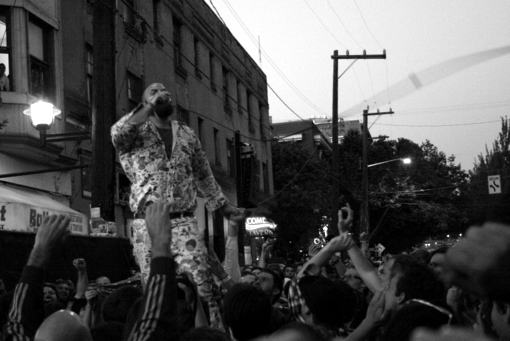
(494, 183)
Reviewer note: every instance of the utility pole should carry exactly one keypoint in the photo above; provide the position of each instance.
(364, 217)
(104, 109)
(335, 161)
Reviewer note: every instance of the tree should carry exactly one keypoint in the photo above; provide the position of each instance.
(302, 183)
(496, 161)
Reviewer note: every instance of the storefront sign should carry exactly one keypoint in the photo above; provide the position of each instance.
(256, 226)
(26, 218)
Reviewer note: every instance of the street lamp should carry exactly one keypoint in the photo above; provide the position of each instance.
(365, 227)
(42, 115)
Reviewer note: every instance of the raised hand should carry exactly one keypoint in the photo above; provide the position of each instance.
(345, 223)
(342, 242)
(79, 264)
(53, 231)
(157, 219)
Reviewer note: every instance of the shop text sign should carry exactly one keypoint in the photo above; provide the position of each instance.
(20, 217)
(259, 226)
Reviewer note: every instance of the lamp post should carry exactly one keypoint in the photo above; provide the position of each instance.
(365, 227)
(42, 114)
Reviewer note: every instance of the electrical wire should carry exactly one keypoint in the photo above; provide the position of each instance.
(323, 25)
(368, 29)
(436, 126)
(345, 28)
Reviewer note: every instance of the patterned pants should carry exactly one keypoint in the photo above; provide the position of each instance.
(190, 253)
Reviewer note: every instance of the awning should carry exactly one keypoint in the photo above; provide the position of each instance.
(24, 210)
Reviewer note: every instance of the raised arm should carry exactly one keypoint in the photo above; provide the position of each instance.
(157, 320)
(27, 310)
(232, 248)
(366, 270)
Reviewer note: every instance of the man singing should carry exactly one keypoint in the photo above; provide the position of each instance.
(164, 160)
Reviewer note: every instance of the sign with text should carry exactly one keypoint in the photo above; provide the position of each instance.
(494, 183)
(26, 218)
(256, 226)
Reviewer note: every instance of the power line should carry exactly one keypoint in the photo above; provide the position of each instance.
(327, 29)
(345, 28)
(362, 17)
(435, 126)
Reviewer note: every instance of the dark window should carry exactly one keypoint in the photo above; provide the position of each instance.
(231, 160)
(129, 12)
(249, 112)
(256, 174)
(182, 115)
(217, 149)
(42, 79)
(177, 27)
(265, 173)
(89, 69)
(5, 49)
(201, 130)
(261, 122)
(134, 90)
(211, 72)
(156, 15)
(226, 97)
(196, 46)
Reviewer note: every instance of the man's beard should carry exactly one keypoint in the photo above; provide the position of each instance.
(164, 113)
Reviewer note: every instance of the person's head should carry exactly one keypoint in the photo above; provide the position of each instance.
(111, 331)
(500, 317)
(327, 303)
(117, 305)
(62, 289)
(410, 279)
(416, 314)
(63, 325)
(270, 283)
(352, 278)
(204, 333)
(289, 271)
(2, 69)
(421, 255)
(256, 270)
(50, 293)
(248, 278)
(437, 260)
(103, 280)
(163, 109)
(297, 331)
(246, 311)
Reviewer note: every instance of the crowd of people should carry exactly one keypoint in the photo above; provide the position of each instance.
(459, 293)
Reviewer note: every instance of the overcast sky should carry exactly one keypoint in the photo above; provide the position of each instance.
(446, 76)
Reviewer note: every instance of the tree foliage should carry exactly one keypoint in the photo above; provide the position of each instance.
(496, 161)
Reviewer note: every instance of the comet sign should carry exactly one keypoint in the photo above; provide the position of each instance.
(256, 226)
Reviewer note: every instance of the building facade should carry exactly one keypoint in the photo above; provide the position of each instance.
(217, 89)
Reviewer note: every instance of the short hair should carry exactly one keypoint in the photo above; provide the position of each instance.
(441, 250)
(308, 331)
(289, 266)
(277, 281)
(421, 255)
(204, 333)
(247, 311)
(111, 330)
(417, 280)
(117, 305)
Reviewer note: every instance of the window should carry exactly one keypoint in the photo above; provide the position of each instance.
(89, 68)
(217, 149)
(211, 72)
(201, 130)
(134, 90)
(239, 98)
(42, 79)
(129, 12)
(231, 160)
(256, 174)
(5, 50)
(182, 115)
(265, 173)
(261, 122)
(155, 15)
(248, 109)
(196, 46)
(226, 101)
(177, 27)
